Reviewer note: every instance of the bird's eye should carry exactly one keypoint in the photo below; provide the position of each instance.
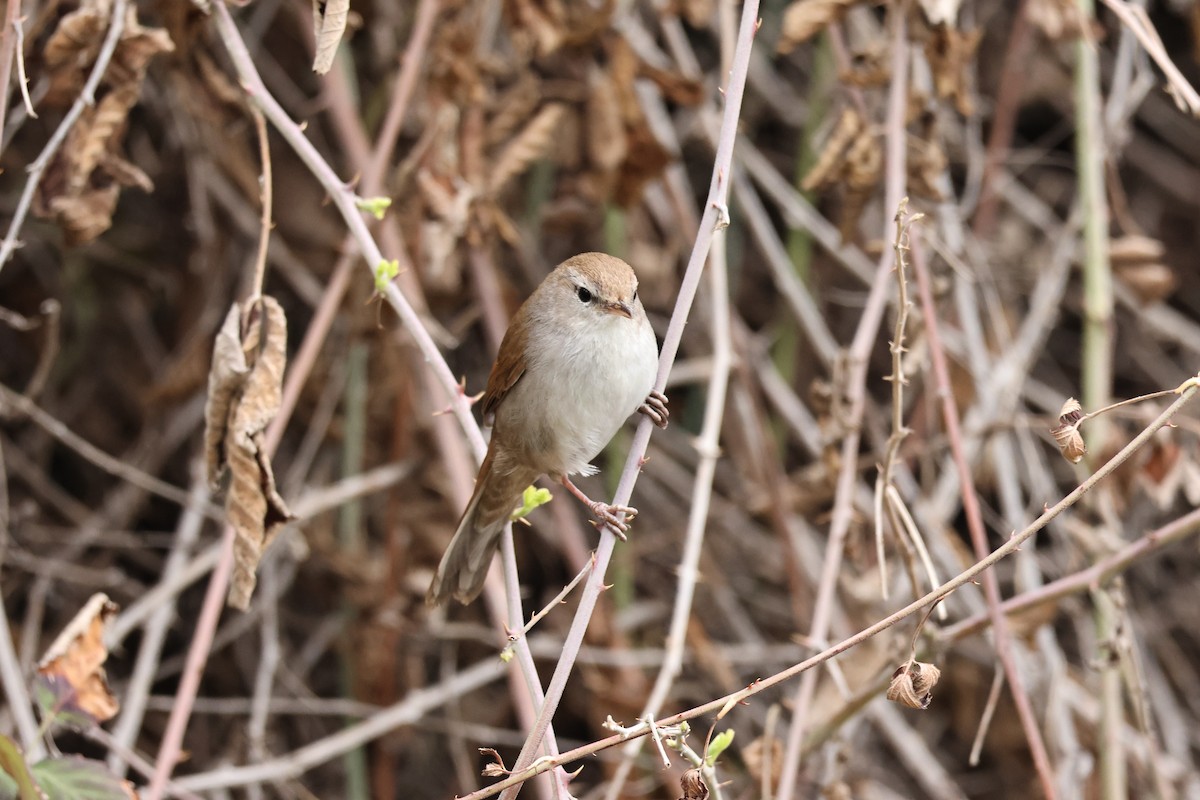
(635, 295)
(584, 295)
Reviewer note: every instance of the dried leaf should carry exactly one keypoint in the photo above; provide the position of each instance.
(86, 216)
(494, 768)
(1066, 433)
(225, 380)
(868, 68)
(829, 162)
(254, 507)
(511, 107)
(329, 23)
(645, 161)
(138, 45)
(73, 45)
(951, 56)
(606, 141)
(693, 785)
(245, 388)
(926, 159)
(912, 684)
(1151, 283)
(75, 661)
(82, 183)
(1135, 249)
(804, 19)
(530, 144)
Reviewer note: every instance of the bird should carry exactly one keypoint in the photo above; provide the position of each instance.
(578, 358)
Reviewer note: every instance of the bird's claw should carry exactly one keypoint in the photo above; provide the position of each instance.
(607, 515)
(655, 408)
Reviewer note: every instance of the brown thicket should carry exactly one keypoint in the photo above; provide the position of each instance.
(1054, 153)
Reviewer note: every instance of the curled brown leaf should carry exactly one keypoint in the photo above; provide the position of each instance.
(494, 768)
(1066, 433)
(693, 785)
(245, 389)
(329, 24)
(912, 684)
(77, 657)
(81, 186)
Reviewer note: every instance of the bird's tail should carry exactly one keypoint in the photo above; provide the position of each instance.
(464, 567)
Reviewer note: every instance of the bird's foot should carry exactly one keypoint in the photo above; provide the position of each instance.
(655, 408)
(609, 515)
(605, 514)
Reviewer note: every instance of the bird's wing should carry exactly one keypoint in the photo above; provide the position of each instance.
(509, 366)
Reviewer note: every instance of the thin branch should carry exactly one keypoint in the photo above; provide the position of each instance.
(264, 236)
(723, 705)
(558, 600)
(12, 677)
(898, 381)
(1138, 21)
(87, 450)
(1097, 574)
(137, 690)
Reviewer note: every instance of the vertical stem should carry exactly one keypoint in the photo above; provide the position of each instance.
(352, 543)
(859, 355)
(1096, 366)
(1112, 756)
(1096, 375)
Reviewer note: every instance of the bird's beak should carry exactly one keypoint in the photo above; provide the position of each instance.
(620, 309)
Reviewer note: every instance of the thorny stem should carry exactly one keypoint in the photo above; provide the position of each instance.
(1097, 360)
(344, 200)
(970, 503)
(717, 198)
(723, 705)
(506, 653)
(899, 431)
(895, 161)
(708, 447)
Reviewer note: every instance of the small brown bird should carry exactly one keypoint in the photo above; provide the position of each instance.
(578, 358)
